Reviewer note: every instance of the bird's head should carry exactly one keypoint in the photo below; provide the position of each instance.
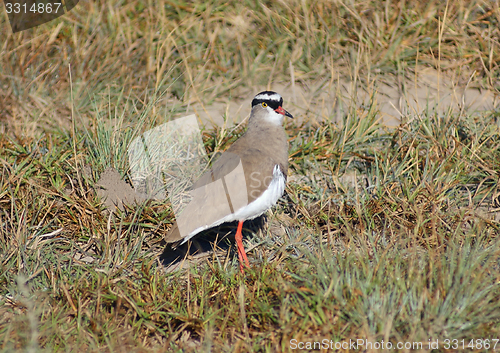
(268, 105)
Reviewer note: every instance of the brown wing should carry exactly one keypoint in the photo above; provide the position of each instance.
(233, 182)
(258, 163)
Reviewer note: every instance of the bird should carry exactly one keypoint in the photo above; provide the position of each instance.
(245, 181)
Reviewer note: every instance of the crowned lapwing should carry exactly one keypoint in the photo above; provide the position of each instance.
(245, 181)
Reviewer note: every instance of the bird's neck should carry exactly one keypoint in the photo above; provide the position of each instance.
(268, 134)
(262, 125)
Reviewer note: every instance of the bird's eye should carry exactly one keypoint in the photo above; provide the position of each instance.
(264, 104)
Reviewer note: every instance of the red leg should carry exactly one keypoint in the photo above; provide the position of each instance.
(242, 255)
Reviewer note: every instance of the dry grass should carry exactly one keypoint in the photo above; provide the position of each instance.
(383, 234)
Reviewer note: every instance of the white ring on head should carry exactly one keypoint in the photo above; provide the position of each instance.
(265, 96)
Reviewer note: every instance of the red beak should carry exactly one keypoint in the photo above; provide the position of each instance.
(282, 111)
